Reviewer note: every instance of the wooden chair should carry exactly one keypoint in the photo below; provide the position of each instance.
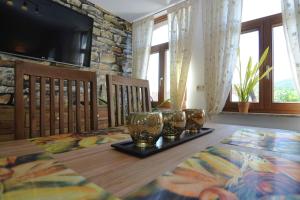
(126, 95)
(51, 81)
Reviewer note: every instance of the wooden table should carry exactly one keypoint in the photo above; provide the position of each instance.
(121, 174)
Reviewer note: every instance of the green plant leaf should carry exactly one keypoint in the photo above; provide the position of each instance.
(248, 73)
(251, 76)
(263, 57)
(266, 73)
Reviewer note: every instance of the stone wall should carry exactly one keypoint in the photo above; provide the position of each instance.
(111, 47)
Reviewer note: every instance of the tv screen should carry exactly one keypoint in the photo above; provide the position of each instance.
(45, 30)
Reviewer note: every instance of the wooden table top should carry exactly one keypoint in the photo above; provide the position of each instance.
(120, 173)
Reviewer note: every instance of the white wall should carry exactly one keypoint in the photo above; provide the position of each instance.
(265, 121)
(195, 84)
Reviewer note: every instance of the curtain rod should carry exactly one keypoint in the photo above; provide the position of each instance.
(160, 10)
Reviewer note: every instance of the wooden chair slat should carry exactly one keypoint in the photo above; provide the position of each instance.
(138, 97)
(143, 100)
(123, 105)
(70, 107)
(134, 99)
(19, 108)
(78, 125)
(118, 102)
(52, 106)
(32, 105)
(148, 98)
(86, 106)
(43, 107)
(61, 106)
(94, 110)
(110, 100)
(129, 98)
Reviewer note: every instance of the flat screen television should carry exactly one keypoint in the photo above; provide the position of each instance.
(45, 30)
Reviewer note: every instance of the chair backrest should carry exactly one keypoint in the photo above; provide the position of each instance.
(126, 95)
(68, 85)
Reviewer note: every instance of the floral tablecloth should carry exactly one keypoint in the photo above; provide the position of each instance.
(225, 174)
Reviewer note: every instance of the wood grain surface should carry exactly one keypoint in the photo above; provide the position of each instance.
(120, 173)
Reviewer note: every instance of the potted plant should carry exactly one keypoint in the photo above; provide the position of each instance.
(165, 105)
(250, 80)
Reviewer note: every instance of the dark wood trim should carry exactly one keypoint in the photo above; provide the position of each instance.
(162, 63)
(160, 19)
(160, 48)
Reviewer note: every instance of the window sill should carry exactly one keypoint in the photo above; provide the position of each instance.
(261, 114)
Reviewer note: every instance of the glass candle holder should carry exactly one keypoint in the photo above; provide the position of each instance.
(145, 128)
(195, 119)
(174, 124)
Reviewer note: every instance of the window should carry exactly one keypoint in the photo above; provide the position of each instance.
(159, 67)
(153, 75)
(160, 33)
(254, 9)
(261, 29)
(249, 46)
(284, 90)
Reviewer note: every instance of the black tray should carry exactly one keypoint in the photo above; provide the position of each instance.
(161, 145)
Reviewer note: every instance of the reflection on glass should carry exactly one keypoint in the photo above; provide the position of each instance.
(284, 90)
(249, 46)
(254, 9)
(83, 40)
(160, 34)
(153, 75)
(167, 77)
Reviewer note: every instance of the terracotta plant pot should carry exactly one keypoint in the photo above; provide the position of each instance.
(243, 107)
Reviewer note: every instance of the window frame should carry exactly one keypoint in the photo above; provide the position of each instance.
(161, 49)
(265, 27)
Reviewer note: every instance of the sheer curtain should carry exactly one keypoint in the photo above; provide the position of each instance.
(180, 20)
(141, 44)
(291, 26)
(222, 28)
(215, 53)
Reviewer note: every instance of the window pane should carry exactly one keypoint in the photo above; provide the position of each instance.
(153, 75)
(253, 9)
(284, 90)
(249, 46)
(167, 77)
(160, 34)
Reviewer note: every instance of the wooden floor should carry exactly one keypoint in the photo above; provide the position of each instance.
(121, 174)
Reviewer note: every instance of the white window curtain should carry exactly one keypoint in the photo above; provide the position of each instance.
(180, 19)
(215, 54)
(141, 44)
(222, 29)
(291, 25)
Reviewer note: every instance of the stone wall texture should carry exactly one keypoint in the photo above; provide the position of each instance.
(111, 47)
